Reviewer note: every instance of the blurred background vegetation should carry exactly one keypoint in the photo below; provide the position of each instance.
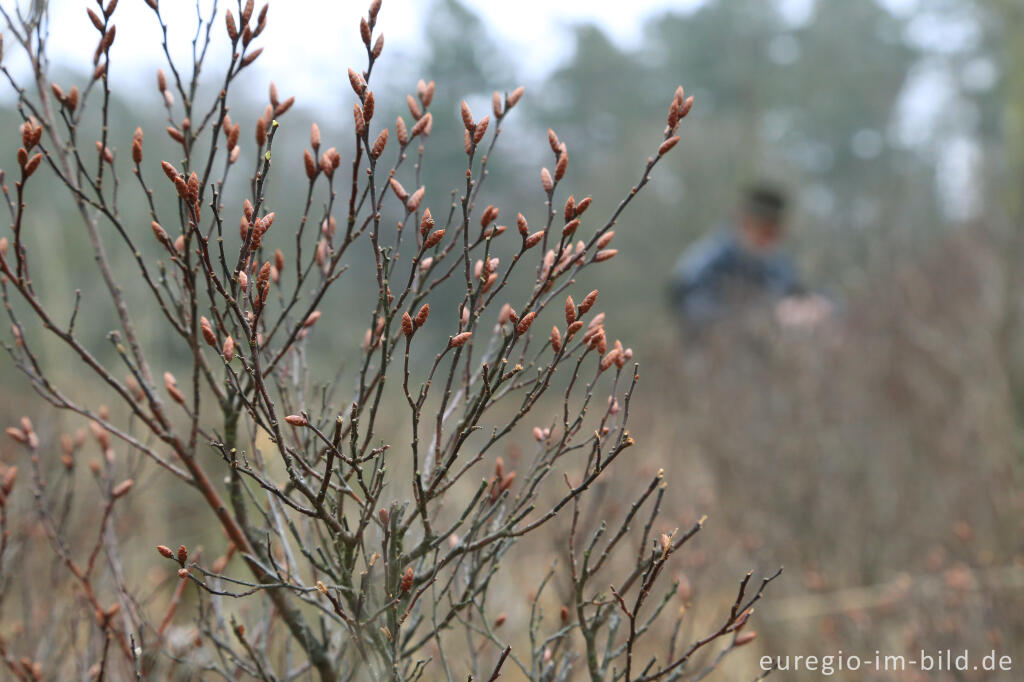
(879, 460)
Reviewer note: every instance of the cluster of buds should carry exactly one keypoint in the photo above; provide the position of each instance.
(67, 100)
(475, 130)
(510, 101)
(247, 33)
(231, 131)
(181, 556)
(500, 481)
(30, 136)
(408, 579)
(680, 107)
(529, 240)
(107, 35)
(188, 188)
(410, 324)
(366, 26)
(24, 433)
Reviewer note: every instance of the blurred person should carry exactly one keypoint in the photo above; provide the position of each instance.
(740, 268)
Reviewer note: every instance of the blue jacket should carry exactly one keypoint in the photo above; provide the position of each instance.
(717, 274)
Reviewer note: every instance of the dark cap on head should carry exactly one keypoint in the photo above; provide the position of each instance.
(765, 201)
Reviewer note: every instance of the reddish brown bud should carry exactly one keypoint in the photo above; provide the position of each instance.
(459, 339)
(229, 20)
(407, 325)
(182, 554)
(667, 145)
(407, 580)
(176, 134)
(364, 32)
(207, 329)
(415, 199)
(570, 227)
(378, 46)
(481, 129)
(545, 180)
(312, 170)
(556, 339)
(588, 302)
(357, 82)
(251, 57)
(137, 146)
(423, 126)
(427, 223)
(521, 224)
(467, 117)
(533, 239)
(122, 488)
(489, 215)
(525, 322)
(433, 238)
(311, 319)
(609, 358)
(401, 131)
(161, 80)
(399, 191)
(172, 388)
(421, 316)
(562, 165)
(284, 106)
(605, 239)
(360, 122)
(33, 164)
(296, 420)
(228, 350)
(496, 104)
(605, 255)
(512, 99)
(379, 144)
(414, 108)
(165, 551)
(746, 638)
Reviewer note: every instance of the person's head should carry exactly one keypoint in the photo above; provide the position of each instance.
(762, 217)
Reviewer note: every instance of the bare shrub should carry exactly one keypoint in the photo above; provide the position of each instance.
(319, 573)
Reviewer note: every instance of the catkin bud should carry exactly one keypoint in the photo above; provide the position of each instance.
(421, 316)
(415, 199)
(172, 388)
(553, 141)
(433, 238)
(122, 488)
(605, 255)
(296, 420)
(312, 170)
(545, 180)
(228, 350)
(427, 223)
(556, 339)
(165, 551)
(467, 118)
(525, 322)
(407, 324)
(667, 145)
(570, 310)
(207, 329)
(570, 227)
(533, 239)
(588, 302)
(489, 215)
(459, 339)
(407, 580)
(379, 143)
